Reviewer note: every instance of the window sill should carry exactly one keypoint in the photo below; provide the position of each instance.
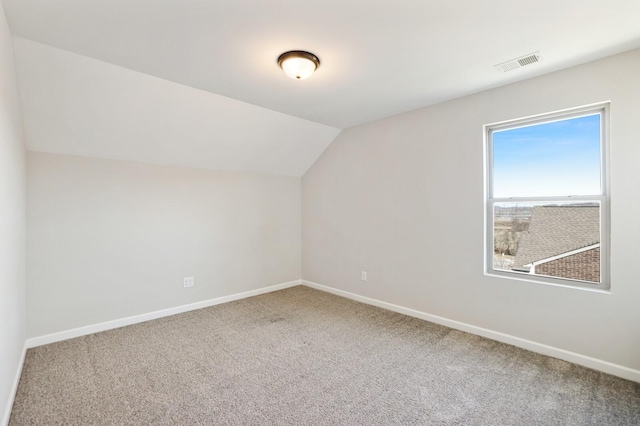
(594, 288)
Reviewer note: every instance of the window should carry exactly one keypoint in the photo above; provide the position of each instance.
(547, 199)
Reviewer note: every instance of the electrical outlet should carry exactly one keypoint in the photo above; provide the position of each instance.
(189, 282)
(363, 275)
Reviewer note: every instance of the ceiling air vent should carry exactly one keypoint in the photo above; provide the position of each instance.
(519, 62)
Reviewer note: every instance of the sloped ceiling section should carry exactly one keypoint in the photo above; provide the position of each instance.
(379, 57)
(196, 83)
(76, 105)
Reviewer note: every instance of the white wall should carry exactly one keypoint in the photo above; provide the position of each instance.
(110, 239)
(12, 224)
(402, 198)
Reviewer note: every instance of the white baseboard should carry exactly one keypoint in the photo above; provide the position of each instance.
(14, 388)
(122, 322)
(586, 361)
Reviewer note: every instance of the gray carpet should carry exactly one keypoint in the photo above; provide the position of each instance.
(301, 356)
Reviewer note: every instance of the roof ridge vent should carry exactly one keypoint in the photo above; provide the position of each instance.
(520, 62)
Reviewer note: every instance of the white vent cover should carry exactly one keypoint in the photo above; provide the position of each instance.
(519, 62)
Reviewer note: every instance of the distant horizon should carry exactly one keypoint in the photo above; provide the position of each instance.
(531, 204)
(559, 158)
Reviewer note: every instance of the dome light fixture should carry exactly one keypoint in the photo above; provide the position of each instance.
(298, 64)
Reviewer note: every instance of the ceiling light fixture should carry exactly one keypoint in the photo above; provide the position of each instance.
(298, 64)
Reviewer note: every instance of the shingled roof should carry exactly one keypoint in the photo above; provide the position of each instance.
(555, 230)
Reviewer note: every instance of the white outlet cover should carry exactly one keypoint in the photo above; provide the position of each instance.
(363, 275)
(189, 282)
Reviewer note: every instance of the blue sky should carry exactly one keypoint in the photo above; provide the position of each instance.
(558, 158)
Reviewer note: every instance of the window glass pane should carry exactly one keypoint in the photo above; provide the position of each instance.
(557, 158)
(550, 239)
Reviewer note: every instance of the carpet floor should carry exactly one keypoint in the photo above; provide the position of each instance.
(304, 357)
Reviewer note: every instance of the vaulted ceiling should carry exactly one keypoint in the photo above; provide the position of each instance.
(196, 83)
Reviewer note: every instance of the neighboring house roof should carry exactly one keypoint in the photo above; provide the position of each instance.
(567, 254)
(555, 230)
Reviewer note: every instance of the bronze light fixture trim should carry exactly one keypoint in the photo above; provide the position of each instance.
(298, 64)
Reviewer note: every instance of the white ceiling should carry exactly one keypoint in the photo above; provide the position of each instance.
(96, 75)
(76, 105)
(379, 57)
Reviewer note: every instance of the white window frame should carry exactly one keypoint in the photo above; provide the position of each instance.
(602, 108)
